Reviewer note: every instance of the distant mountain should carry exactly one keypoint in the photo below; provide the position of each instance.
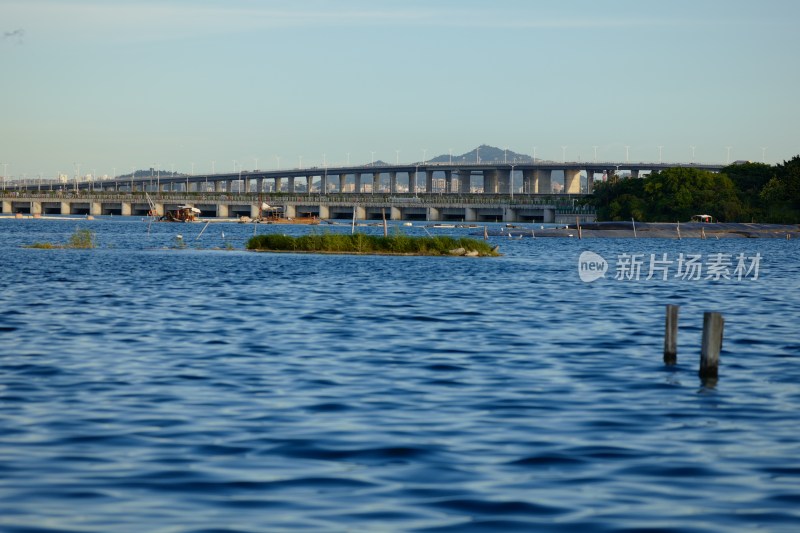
(485, 154)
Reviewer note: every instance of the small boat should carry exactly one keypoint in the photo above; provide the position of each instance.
(274, 215)
(441, 226)
(706, 219)
(184, 213)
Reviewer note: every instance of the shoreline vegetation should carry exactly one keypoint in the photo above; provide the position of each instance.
(359, 243)
(740, 192)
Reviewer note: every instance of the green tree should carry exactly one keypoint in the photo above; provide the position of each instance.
(678, 193)
(780, 196)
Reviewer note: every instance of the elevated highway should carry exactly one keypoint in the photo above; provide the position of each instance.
(423, 177)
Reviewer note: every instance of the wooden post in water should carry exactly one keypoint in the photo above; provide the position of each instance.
(671, 335)
(485, 234)
(679, 230)
(578, 225)
(385, 229)
(713, 324)
(633, 223)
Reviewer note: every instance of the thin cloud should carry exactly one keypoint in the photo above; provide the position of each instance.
(86, 19)
(15, 35)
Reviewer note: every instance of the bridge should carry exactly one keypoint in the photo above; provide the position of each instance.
(553, 208)
(422, 177)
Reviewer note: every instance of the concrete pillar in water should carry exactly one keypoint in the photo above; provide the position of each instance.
(95, 209)
(572, 181)
(36, 208)
(395, 213)
(66, 208)
(324, 212)
(433, 214)
(543, 181)
(470, 214)
(392, 182)
(127, 209)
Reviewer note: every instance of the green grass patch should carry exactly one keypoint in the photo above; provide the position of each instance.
(360, 243)
(81, 239)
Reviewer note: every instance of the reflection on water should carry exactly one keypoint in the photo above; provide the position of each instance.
(148, 388)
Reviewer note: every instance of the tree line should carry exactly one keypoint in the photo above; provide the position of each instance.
(748, 192)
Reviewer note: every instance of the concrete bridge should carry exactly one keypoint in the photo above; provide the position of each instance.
(433, 207)
(426, 178)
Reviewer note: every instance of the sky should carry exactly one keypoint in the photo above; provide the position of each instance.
(103, 87)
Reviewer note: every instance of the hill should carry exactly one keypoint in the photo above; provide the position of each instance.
(485, 154)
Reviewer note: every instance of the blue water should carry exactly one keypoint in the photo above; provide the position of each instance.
(148, 387)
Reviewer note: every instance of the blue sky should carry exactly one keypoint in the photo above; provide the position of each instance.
(114, 85)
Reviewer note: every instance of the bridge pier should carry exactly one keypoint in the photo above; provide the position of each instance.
(490, 182)
(433, 214)
(465, 177)
(448, 181)
(357, 181)
(376, 181)
(309, 183)
(412, 181)
(392, 182)
(291, 184)
(428, 180)
(572, 181)
(635, 173)
(503, 181)
(543, 181)
(528, 182)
